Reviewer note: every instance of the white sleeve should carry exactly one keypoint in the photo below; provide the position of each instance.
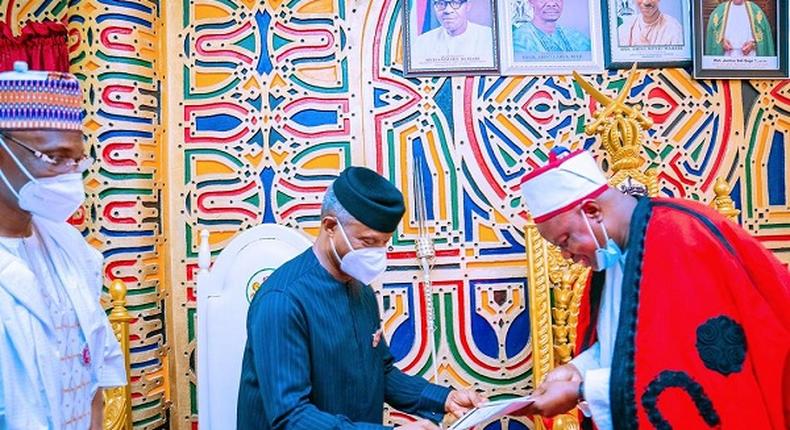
(112, 368)
(588, 359)
(596, 394)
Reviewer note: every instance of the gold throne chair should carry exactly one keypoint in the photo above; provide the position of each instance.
(556, 285)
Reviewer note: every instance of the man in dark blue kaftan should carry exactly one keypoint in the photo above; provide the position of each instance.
(315, 358)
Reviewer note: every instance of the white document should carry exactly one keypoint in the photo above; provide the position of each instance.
(489, 411)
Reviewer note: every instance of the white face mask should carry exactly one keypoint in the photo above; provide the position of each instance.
(55, 198)
(364, 264)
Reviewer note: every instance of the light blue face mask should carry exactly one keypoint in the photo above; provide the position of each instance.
(605, 257)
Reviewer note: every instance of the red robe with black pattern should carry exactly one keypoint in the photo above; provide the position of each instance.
(703, 339)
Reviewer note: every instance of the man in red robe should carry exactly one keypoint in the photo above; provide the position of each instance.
(686, 321)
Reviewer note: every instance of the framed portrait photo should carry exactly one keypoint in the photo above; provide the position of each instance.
(740, 39)
(550, 37)
(651, 33)
(450, 37)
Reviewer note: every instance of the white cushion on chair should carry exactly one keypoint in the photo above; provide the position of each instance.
(223, 297)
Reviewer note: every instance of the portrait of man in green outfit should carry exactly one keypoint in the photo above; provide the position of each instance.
(739, 28)
(544, 33)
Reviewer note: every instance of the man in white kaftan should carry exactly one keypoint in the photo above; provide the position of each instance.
(57, 349)
(457, 39)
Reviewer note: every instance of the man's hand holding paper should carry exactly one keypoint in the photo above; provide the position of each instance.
(489, 411)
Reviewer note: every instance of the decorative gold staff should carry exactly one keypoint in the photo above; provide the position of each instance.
(620, 127)
(425, 256)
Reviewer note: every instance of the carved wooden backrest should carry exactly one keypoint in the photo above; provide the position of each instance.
(556, 285)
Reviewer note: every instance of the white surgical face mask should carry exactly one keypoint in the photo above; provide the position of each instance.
(364, 264)
(55, 198)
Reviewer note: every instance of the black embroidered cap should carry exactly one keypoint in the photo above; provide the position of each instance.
(370, 198)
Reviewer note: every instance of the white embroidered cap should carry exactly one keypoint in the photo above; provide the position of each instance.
(562, 184)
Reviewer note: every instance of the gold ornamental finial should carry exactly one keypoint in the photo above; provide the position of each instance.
(118, 293)
(723, 202)
(620, 128)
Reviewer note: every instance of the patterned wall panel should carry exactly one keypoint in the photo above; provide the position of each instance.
(763, 179)
(479, 289)
(16, 13)
(116, 54)
(265, 119)
(114, 51)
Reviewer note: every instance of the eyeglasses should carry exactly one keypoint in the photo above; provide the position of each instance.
(55, 164)
(440, 5)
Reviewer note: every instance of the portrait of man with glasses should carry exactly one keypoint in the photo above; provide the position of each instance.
(450, 34)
